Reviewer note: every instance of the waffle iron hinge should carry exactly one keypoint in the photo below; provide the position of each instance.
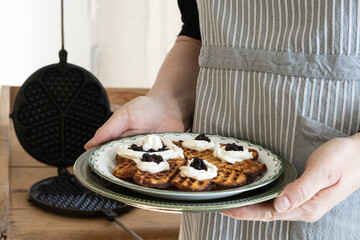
(62, 171)
(3, 236)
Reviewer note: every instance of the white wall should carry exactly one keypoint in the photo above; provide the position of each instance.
(123, 42)
(30, 36)
(163, 28)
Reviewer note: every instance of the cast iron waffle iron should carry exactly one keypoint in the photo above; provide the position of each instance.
(56, 111)
(64, 194)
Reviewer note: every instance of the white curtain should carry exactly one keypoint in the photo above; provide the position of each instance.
(131, 39)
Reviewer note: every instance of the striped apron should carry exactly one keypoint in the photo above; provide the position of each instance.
(284, 74)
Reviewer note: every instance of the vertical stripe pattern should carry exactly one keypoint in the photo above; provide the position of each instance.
(277, 117)
(265, 108)
(317, 27)
(272, 103)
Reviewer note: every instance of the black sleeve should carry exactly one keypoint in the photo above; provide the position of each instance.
(190, 19)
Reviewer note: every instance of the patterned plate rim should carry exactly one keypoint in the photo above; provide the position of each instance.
(82, 173)
(277, 172)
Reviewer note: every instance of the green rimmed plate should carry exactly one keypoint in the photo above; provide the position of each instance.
(86, 176)
(102, 162)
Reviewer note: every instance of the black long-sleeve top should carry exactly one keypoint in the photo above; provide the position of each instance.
(190, 19)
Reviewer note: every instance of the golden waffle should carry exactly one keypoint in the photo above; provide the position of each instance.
(252, 169)
(161, 179)
(125, 169)
(190, 153)
(229, 178)
(205, 155)
(229, 175)
(190, 184)
(254, 153)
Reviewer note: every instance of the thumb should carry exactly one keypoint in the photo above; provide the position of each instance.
(301, 190)
(111, 130)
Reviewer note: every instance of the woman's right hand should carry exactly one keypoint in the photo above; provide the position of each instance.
(145, 114)
(168, 106)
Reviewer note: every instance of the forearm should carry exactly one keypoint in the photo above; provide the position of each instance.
(176, 81)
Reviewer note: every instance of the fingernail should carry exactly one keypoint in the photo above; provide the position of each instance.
(282, 204)
(225, 213)
(87, 144)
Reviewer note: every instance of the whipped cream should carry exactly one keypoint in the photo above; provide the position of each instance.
(153, 167)
(232, 156)
(201, 175)
(199, 145)
(152, 142)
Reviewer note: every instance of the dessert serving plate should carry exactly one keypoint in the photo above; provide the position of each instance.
(102, 162)
(89, 179)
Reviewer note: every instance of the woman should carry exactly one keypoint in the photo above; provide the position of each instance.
(283, 74)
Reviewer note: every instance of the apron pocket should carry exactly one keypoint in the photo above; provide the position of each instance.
(311, 134)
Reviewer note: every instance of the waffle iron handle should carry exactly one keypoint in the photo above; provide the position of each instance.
(63, 57)
(62, 53)
(112, 217)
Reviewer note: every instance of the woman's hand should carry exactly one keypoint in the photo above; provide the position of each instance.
(168, 106)
(146, 114)
(331, 174)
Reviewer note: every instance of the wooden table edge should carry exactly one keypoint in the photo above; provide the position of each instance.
(4, 159)
(119, 96)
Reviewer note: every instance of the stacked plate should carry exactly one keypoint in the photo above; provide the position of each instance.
(101, 160)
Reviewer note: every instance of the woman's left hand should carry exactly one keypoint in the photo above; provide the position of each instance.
(331, 174)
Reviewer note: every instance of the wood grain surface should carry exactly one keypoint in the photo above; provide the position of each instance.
(20, 219)
(4, 158)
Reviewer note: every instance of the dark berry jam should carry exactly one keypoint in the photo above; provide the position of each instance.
(137, 148)
(152, 158)
(202, 137)
(198, 164)
(233, 147)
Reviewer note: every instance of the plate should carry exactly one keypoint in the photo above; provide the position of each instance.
(102, 162)
(89, 179)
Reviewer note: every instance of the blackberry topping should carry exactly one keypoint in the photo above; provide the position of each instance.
(137, 148)
(151, 158)
(159, 149)
(202, 137)
(198, 164)
(233, 147)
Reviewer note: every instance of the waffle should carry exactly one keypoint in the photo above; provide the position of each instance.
(125, 169)
(229, 175)
(161, 179)
(229, 178)
(191, 153)
(254, 153)
(190, 184)
(252, 169)
(207, 154)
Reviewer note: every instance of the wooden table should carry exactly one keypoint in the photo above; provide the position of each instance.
(20, 219)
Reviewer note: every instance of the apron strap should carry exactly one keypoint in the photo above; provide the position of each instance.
(341, 67)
